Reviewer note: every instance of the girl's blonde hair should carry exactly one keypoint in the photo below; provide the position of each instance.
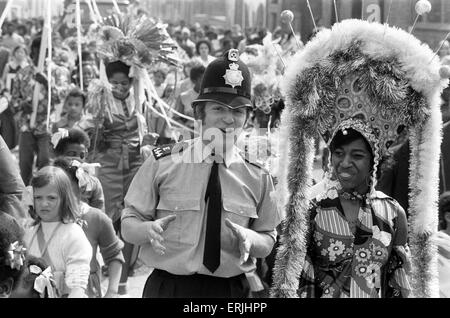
(68, 208)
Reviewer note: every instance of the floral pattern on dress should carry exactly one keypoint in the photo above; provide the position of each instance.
(378, 252)
(318, 237)
(335, 248)
(328, 292)
(363, 255)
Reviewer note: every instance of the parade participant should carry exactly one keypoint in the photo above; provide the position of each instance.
(203, 50)
(358, 85)
(73, 110)
(117, 102)
(55, 236)
(100, 232)
(442, 239)
(18, 61)
(32, 139)
(184, 101)
(74, 144)
(196, 226)
(11, 184)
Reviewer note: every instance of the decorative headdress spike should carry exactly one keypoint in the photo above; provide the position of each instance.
(421, 7)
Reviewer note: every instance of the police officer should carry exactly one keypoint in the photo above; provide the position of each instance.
(202, 211)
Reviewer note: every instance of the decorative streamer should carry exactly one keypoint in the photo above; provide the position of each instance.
(440, 47)
(386, 23)
(49, 63)
(5, 12)
(312, 16)
(40, 68)
(281, 58)
(336, 11)
(116, 6)
(96, 10)
(92, 13)
(80, 59)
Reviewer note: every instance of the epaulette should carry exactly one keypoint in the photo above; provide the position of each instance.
(258, 163)
(166, 150)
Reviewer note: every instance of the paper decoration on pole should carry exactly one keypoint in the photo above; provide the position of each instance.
(287, 17)
(421, 7)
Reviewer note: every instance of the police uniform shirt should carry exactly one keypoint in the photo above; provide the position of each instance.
(167, 186)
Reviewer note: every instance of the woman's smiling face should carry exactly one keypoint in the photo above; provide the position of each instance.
(352, 165)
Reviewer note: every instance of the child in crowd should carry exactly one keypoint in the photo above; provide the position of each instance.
(74, 144)
(19, 60)
(159, 80)
(100, 232)
(55, 236)
(73, 110)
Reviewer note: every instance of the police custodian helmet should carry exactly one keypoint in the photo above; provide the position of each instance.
(226, 81)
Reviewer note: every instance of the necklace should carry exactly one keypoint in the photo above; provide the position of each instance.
(352, 196)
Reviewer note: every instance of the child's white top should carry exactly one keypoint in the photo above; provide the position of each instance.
(69, 250)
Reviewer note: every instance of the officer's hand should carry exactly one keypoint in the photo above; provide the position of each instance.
(240, 233)
(155, 230)
(146, 151)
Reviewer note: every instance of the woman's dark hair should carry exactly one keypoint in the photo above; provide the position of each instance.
(65, 164)
(444, 207)
(197, 46)
(76, 136)
(10, 232)
(352, 135)
(28, 278)
(76, 92)
(117, 67)
(196, 72)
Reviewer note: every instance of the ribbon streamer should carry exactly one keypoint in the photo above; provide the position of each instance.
(44, 281)
(16, 253)
(85, 172)
(80, 62)
(57, 136)
(5, 12)
(49, 64)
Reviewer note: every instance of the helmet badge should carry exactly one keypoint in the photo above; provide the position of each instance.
(233, 76)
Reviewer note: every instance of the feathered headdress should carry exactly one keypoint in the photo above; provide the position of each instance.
(372, 78)
(135, 41)
(138, 42)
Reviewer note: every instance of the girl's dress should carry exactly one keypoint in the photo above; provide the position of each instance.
(65, 247)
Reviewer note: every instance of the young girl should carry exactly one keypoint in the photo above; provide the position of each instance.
(72, 113)
(100, 232)
(74, 144)
(55, 236)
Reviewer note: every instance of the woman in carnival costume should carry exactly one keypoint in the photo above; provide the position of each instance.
(357, 84)
(118, 101)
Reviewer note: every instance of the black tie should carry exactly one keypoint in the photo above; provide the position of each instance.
(211, 255)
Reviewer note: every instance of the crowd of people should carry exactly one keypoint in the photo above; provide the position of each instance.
(175, 159)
